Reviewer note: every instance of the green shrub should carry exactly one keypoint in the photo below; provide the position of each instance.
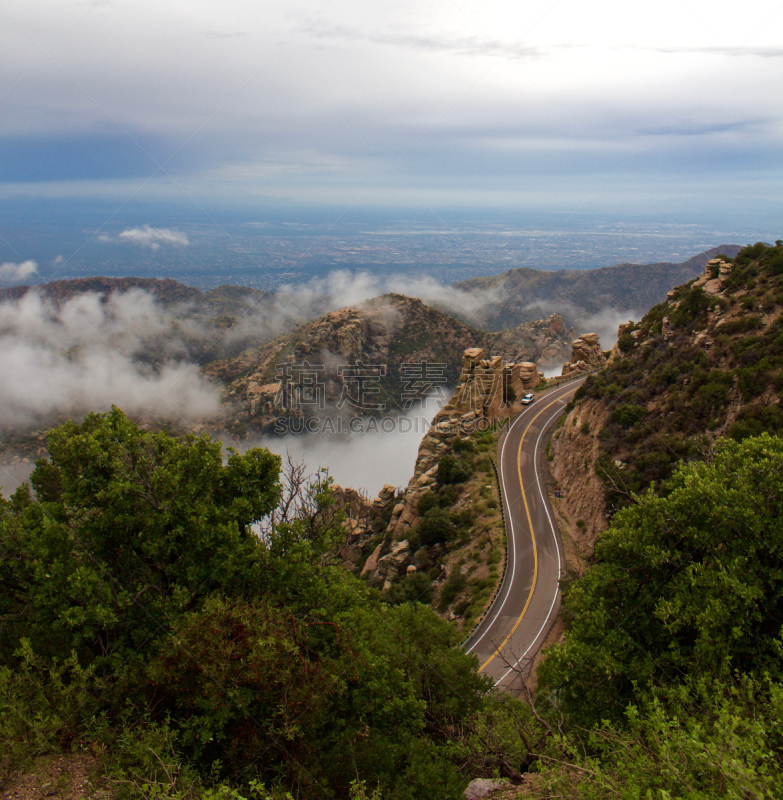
(427, 501)
(741, 325)
(454, 469)
(626, 342)
(691, 308)
(435, 527)
(415, 588)
(463, 445)
(455, 583)
(628, 414)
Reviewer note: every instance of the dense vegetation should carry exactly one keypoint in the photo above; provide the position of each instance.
(142, 611)
(461, 531)
(670, 675)
(671, 389)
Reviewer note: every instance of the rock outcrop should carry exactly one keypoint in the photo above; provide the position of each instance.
(405, 349)
(489, 391)
(483, 787)
(574, 448)
(714, 277)
(360, 514)
(545, 342)
(586, 354)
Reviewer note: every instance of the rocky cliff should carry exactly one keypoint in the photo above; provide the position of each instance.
(586, 354)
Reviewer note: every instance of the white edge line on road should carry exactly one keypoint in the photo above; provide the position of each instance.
(557, 547)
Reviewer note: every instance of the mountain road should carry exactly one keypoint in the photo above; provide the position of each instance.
(525, 608)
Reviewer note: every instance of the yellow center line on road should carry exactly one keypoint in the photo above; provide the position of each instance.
(530, 526)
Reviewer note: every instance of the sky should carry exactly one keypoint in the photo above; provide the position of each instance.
(670, 108)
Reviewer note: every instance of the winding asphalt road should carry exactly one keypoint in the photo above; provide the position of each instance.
(528, 602)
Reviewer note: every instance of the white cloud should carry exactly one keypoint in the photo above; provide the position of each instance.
(88, 354)
(342, 288)
(364, 461)
(153, 237)
(389, 102)
(10, 271)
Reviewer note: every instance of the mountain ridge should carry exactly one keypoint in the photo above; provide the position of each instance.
(573, 293)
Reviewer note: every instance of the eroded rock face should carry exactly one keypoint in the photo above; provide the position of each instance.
(394, 563)
(586, 353)
(574, 455)
(359, 513)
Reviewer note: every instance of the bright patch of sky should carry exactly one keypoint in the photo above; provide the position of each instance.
(651, 108)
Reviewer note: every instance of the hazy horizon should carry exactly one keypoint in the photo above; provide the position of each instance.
(150, 112)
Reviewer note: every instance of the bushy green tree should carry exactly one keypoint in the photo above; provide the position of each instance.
(685, 585)
(455, 469)
(700, 741)
(435, 527)
(128, 530)
(137, 573)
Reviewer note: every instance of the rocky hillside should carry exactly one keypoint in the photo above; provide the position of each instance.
(399, 341)
(445, 539)
(705, 363)
(578, 293)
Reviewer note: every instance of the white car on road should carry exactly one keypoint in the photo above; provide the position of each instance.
(528, 399)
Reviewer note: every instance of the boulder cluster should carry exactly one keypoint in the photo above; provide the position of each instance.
(712, 280)
(490, 385)
(586, 354)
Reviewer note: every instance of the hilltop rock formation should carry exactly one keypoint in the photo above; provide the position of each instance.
(586, 353)
(406, 348)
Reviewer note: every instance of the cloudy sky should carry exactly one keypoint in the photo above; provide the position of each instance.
(556, 104)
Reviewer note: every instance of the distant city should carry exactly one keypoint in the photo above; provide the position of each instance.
(267, 255)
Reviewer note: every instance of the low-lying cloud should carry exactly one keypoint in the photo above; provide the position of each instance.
(145, 236)
(364, 461)
(92, 353)
(604, 322)
(11, 272)
(129, 350)
(343, 288)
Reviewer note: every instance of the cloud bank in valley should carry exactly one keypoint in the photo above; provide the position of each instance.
(342, 288)
(126, 349)
(90, 354)
(364, 461)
